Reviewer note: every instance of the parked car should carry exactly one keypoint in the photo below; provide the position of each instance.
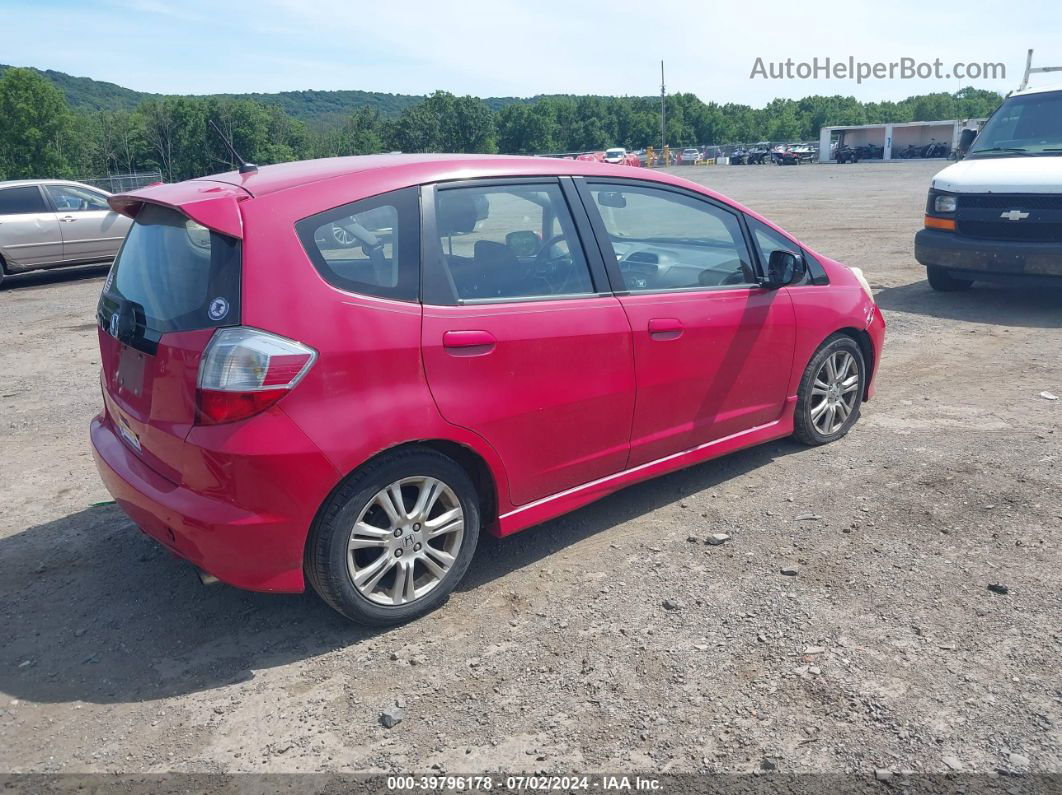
(616, 155)
(282, 409)
(54, 223)
(689, 156)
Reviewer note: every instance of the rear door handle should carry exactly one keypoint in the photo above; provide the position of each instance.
(470, 342)
(665, 328)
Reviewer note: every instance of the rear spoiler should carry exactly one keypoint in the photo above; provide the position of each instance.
(215, 205)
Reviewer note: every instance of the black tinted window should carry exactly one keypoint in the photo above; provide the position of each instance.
(174, 274)
(665, 240)
(26, 199)
(370, 246)
(510, 241)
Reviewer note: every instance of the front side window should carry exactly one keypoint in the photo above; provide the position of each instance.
(768, 241)
(510, 242)
(23, 200)
(69, 198)
(664, 240)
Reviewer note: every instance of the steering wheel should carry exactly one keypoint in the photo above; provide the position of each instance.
(547, 266)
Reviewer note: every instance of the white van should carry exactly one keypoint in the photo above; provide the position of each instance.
(997, 214)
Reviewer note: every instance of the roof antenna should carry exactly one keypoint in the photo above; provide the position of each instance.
(245, 167)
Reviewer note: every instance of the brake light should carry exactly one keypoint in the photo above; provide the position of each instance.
(244, 371)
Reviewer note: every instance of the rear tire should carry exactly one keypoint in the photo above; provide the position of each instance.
(831, 392)
(395, 539)
(942, 280)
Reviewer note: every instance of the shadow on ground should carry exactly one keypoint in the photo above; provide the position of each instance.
(92, 610)
(46, 278)
(983, 303)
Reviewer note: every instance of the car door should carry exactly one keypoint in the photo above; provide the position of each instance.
(29, 229)
(712, 349)
(523, 341)
(91, 231)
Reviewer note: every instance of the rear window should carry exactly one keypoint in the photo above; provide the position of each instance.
(172, 274)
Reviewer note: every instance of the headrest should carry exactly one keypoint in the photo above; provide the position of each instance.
(456, 212)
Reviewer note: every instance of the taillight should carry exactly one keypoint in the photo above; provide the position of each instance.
(245, 371)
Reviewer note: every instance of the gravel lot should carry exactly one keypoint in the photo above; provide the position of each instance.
(614, 638)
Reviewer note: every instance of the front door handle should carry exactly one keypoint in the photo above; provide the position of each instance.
(665, 328)
(469, 343)
(68, 219)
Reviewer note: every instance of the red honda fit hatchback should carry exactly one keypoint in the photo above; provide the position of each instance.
(341, 370)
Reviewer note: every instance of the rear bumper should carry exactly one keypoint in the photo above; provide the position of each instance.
(997, 260)
(258, 550)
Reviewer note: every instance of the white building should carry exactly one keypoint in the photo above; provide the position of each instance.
(893, 138)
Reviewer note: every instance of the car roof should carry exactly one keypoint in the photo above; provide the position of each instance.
(1038, 90)
(425, 168)
(10, 183)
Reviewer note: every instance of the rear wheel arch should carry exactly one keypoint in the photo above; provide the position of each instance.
(474, 465)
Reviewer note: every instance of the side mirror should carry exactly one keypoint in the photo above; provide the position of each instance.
(523, 243)
(784, 268)
(966, 138)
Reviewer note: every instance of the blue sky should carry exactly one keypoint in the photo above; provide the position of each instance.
(504, 47)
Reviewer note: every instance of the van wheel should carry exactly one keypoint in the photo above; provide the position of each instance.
(830, 392)
(942, 280)
(395, 539)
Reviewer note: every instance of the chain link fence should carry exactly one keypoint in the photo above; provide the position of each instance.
(120, 183)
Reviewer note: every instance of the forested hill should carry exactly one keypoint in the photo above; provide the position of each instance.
(84, 93)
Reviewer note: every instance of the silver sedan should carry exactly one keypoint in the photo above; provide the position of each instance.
(55, 223)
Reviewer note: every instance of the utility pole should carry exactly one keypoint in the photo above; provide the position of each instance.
(662, 95)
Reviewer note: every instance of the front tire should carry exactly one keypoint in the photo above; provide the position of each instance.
(831, 392)
(942, 280)
(395, 539)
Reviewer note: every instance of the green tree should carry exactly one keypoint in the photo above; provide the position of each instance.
(35, 123)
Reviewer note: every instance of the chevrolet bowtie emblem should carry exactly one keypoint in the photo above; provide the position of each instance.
(1014, 215)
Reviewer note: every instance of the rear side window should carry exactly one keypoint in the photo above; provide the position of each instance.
(370, 246)
(24, 200)
(174, 275)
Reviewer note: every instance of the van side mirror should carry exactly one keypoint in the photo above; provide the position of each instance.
(966, 139)
(784, 268)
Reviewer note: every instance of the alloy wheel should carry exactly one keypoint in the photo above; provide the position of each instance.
(405, 541)
(834, 392)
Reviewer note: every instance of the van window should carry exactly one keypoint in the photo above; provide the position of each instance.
(175, 274)
(371, 246)
(1030, 123)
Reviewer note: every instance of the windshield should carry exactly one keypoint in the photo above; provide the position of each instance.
(615, 152)
(1023, 125)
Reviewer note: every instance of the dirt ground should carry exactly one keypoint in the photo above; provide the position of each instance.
(887, 651)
